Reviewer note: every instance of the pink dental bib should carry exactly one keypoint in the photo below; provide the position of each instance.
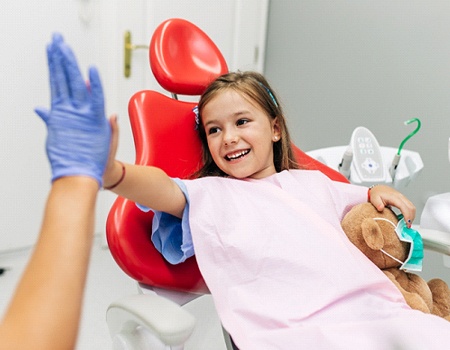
(282, 272)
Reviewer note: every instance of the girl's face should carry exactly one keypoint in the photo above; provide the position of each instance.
(240, 136)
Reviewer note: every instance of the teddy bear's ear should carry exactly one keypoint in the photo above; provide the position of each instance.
(372, 234)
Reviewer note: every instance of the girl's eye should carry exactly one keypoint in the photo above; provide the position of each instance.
(213, 130)
(242, 122)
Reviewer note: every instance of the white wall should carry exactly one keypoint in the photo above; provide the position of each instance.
(25, 28)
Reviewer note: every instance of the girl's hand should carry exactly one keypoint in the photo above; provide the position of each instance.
(113, 169)
(382, 196)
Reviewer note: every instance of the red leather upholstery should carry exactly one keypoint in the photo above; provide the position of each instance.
(165, 136)
(183, 58)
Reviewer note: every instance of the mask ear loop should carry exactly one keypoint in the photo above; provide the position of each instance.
(389, 255)
(382, 250)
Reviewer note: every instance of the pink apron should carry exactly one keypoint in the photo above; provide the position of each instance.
(283, 275)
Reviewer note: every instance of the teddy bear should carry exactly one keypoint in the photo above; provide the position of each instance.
(371, 236)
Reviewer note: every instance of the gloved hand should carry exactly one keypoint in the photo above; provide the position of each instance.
(79, 134)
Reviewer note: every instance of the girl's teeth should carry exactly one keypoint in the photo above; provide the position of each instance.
(237, 155)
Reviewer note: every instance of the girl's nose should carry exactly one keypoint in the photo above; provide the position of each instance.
(230, 137)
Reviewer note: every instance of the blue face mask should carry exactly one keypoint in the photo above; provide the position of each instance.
(415, 257)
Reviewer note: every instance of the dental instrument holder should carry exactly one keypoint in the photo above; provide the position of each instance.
(366, 163)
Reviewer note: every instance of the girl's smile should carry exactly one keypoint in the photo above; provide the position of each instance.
(240, 135)
(236, 155)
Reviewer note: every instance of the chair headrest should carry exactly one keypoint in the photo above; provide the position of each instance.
(183, 59)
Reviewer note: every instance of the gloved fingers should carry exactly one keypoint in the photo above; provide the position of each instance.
(98, 104)
(43, 113)
(58, 85)
(78, 91)
(57, 38)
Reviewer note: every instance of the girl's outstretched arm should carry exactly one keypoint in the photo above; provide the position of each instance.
(148, 186)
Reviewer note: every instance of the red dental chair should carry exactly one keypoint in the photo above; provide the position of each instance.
(183, 60)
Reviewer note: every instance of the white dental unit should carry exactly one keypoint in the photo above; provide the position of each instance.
(365, 162)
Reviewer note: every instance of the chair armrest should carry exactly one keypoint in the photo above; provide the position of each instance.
(435, 240)
(164, 319)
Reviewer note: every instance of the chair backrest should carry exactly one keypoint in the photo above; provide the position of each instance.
(165, 136)
(183, 59)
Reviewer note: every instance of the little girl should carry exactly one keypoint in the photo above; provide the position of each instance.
(267, 236)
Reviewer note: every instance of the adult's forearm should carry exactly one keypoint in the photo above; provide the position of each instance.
(45, 310)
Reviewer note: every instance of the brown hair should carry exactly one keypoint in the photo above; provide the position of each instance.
(254, 86)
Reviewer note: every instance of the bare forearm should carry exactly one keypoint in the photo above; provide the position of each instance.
(148, 186)
(45, 311)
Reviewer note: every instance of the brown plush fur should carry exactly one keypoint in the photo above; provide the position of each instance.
(370, 236)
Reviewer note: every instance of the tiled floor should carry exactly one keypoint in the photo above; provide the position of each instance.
(106, 283)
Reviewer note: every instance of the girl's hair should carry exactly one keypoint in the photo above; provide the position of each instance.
(255, 87)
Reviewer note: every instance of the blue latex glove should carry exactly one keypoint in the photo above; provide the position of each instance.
(78, 132)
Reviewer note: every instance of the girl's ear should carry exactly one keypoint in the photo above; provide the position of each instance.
(276, 130)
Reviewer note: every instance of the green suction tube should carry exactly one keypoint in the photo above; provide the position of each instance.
(415, 131)
(396, 160)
